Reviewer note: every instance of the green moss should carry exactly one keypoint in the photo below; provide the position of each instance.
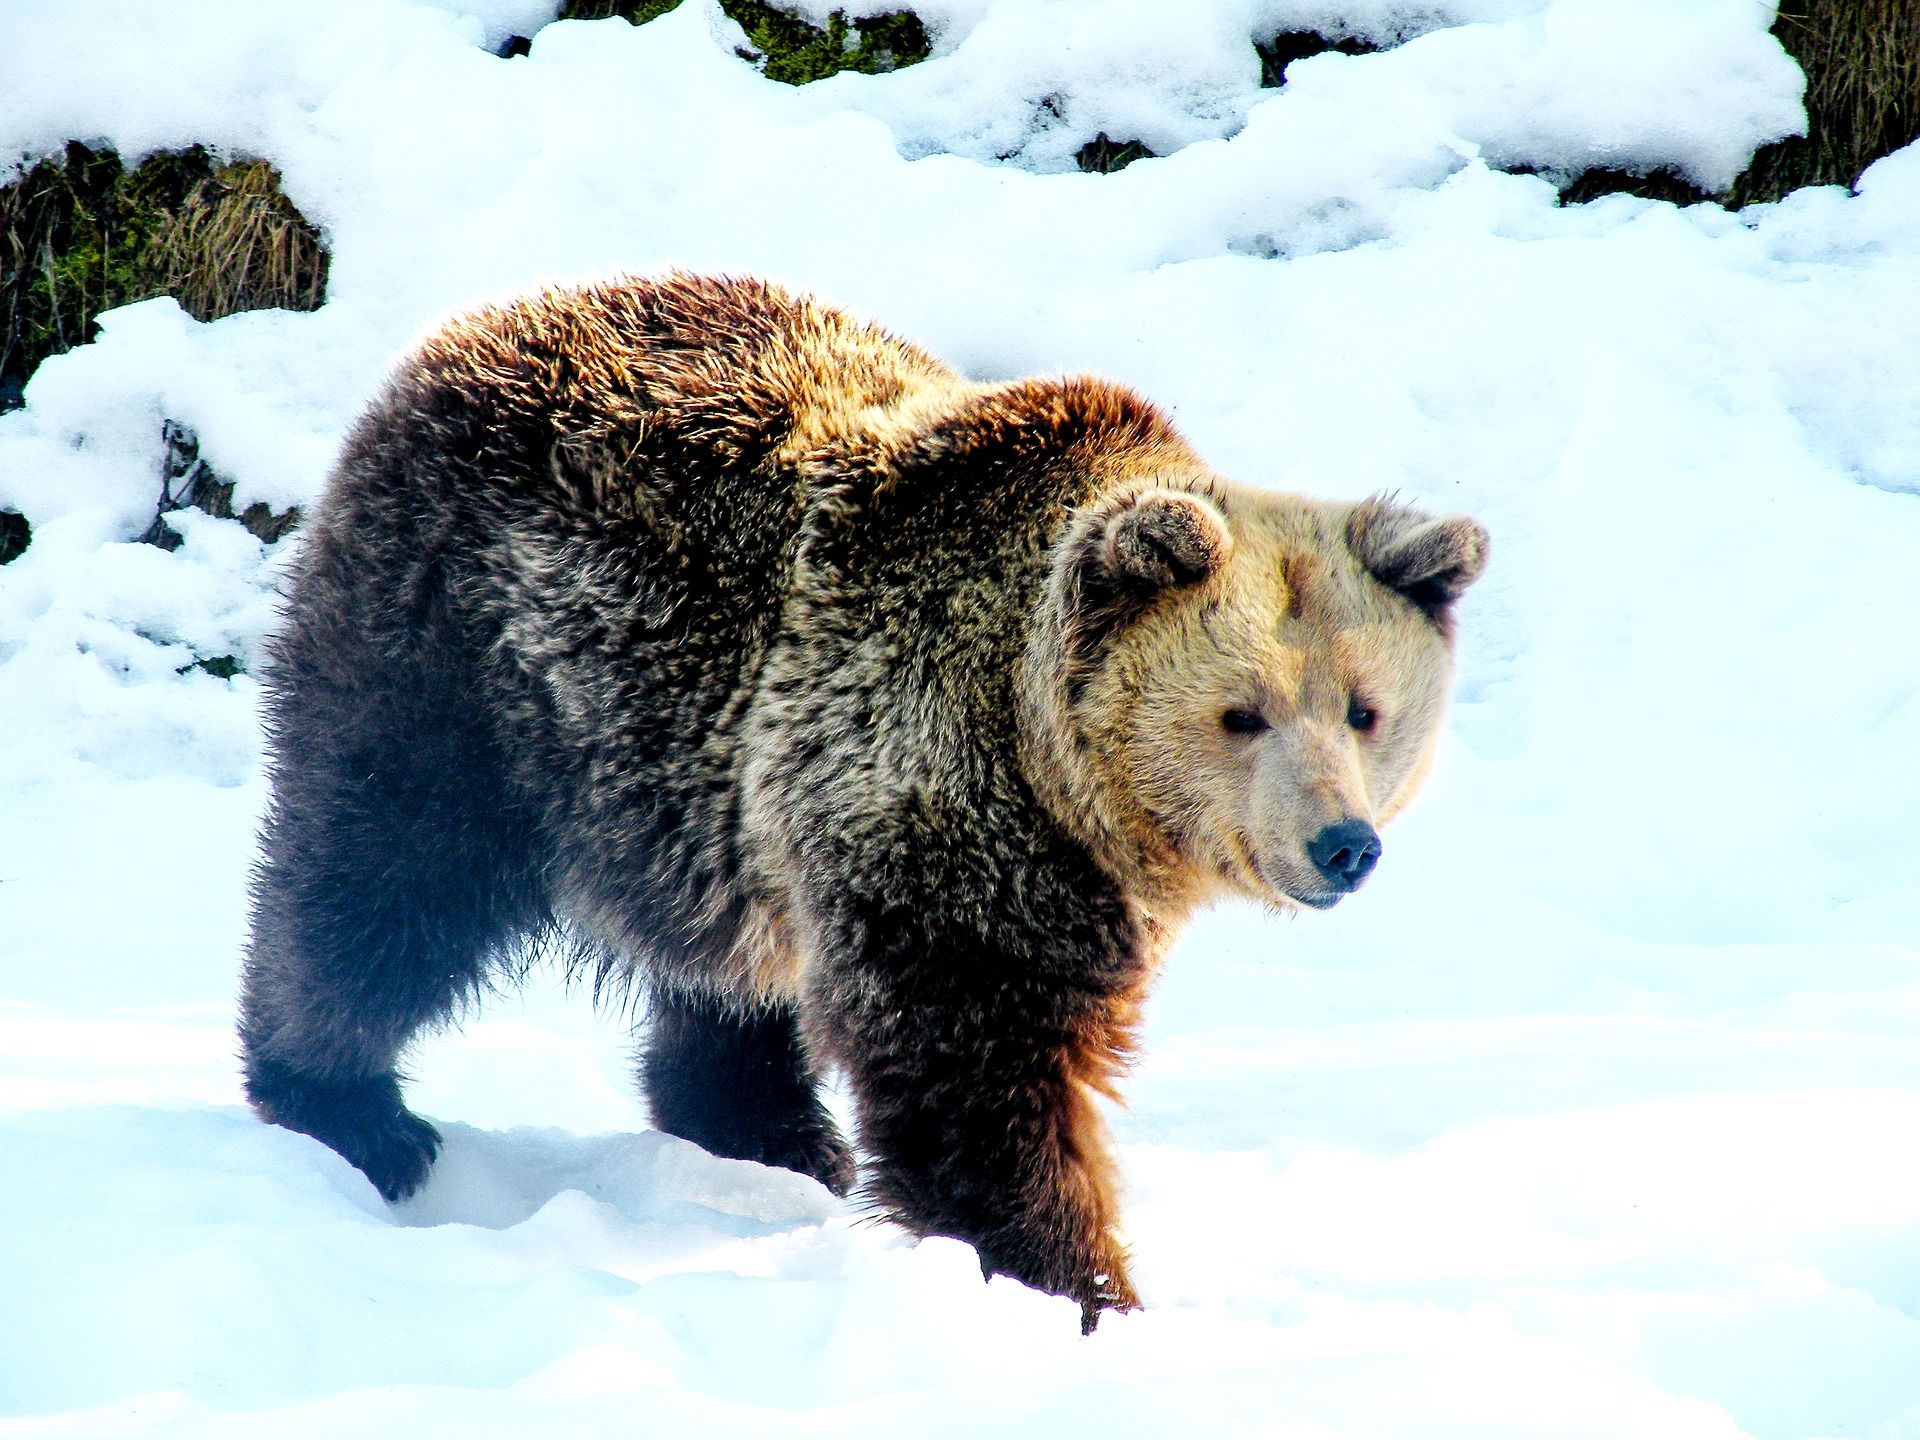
(221, 667)
(788, 48)
(796, 53)
(81, 234)
(634, 12)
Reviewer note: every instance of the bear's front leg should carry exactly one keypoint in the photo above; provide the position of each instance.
(975, 1070)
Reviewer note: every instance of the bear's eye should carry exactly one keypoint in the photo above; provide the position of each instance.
(1361, 716)
(1243, 722)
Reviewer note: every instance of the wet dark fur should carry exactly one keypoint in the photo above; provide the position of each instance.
(564, 593)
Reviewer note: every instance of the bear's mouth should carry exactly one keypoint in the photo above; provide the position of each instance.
(1320, 901)
(1263, 879)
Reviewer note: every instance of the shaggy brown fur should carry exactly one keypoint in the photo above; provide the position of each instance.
(872, 718)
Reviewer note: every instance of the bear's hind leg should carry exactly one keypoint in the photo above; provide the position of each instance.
(365, 1121)
(736, 1082)
(390, 877)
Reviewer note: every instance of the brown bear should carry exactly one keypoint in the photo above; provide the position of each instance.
(870, 718)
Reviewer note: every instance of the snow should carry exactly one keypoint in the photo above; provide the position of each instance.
(1597, 1114)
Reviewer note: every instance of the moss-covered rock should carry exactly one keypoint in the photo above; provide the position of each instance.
(187, 480)
(81, 234)
(788, 48)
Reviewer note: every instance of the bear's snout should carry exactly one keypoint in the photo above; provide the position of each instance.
(1345, 854)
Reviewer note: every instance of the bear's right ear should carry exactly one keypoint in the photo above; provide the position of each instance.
(1121, 553)
(1430, 561)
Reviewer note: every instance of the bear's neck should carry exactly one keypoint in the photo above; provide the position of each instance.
(1064, 777)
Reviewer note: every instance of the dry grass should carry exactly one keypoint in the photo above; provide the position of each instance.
(1862, 60)
(237, 243)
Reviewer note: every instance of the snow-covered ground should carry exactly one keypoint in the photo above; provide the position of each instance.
(1597, 1114)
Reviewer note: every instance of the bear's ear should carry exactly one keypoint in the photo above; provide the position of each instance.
(1163, 538)
(1121, 553)
(1430, 561)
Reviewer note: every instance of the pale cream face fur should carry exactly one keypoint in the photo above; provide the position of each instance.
(1347, 678)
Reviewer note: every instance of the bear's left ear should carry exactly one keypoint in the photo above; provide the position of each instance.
(1430, 561)
(1122, 552)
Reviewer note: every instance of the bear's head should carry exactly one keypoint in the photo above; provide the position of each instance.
(1235, 688)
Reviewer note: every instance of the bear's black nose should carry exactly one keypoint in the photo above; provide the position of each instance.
(1346, 853)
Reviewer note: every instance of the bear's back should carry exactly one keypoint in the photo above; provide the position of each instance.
(589, 503)
(612, 456)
